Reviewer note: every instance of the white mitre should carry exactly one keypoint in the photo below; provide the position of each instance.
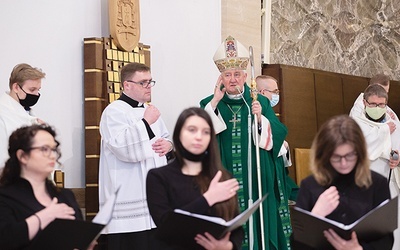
(231, 54)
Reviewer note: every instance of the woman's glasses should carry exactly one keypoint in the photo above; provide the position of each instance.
(46, 150)
(348, 157)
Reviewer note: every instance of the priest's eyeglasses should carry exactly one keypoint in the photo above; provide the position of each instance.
(276, 91)
(348, 157)
(47, 151)
(144, 84)
(373, 105)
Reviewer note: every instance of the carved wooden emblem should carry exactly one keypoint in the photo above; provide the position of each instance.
(124, 22)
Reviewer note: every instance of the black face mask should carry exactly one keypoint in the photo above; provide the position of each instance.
(29, 100)
(192, 157)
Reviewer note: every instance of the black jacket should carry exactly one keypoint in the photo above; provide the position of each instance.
(17, 202)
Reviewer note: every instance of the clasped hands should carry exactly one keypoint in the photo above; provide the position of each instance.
(162, 146)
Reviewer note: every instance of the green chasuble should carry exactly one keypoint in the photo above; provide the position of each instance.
(233, 144)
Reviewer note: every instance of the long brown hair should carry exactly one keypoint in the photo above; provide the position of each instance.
(333, 133)
(211, 163)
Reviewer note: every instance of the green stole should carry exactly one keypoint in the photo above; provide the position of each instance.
(272, 173)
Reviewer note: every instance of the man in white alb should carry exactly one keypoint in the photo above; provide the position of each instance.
(133, 141)
(15, 105)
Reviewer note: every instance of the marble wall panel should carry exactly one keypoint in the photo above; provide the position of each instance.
(355, 37)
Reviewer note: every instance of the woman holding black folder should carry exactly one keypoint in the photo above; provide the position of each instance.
(342, 187)
(28, 200)
(195, 182)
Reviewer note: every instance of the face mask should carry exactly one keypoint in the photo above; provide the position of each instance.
(274, 100)
(29, 100)
(192, 157)
(376, 112)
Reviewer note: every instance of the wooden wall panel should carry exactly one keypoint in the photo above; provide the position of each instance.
(309, 97)
(352, 87)
(93, 53)
(329, 97)
(92, 141)
(298, 109)
(394, 98)
(298, 106)
(92, 86)
(92, 201)
(93, 111)
(92, 168)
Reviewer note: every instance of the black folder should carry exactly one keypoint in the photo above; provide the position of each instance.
(67, 235)
(182, 226)
(63, 234)
(308, 228)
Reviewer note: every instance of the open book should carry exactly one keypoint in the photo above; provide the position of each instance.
(308, 228)
(74, 234)
(181, 225)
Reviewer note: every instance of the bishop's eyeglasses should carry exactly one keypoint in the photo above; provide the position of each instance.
(144, 84)
(47, 150)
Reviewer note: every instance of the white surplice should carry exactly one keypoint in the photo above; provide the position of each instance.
(379, 143)
(126, 157)
(12, 116)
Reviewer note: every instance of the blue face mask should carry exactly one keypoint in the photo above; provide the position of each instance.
(274, 100)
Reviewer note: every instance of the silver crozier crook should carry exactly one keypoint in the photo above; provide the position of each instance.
(255, 131)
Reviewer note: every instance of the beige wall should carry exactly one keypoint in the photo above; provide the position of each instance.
(242, 20)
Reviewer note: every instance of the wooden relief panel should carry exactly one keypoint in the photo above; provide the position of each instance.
(124, 20)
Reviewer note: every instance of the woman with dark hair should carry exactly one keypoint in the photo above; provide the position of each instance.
(28, 200)
(195, 181)
(342, 187)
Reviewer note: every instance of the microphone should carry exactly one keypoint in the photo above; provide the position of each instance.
(241, 95)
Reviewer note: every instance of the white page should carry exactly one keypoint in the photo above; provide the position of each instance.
(104, 216)
(239, 219)
(243, 217)
(341, 225)
(204, 217)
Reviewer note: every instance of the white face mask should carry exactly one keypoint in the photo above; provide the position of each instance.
(375, 112)
(274, 100)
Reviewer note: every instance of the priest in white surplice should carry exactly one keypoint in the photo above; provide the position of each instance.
(133, 141)
(382, 135)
